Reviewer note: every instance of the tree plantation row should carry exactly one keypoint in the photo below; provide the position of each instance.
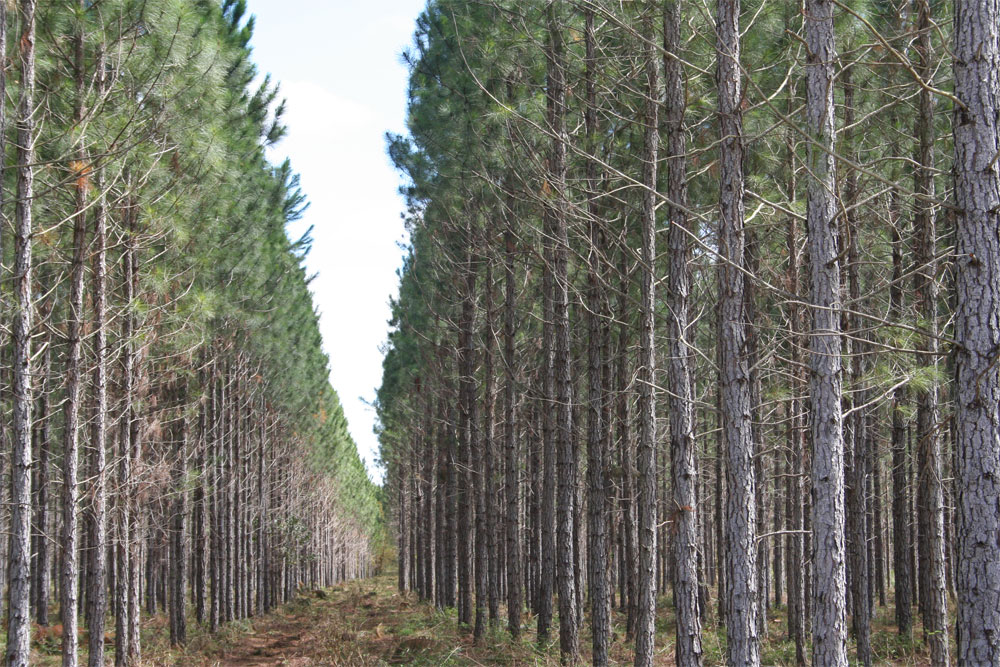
(174, 442)
(701, 312)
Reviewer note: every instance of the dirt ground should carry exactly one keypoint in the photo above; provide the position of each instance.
(368, 623)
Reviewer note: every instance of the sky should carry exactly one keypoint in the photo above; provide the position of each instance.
(339, 67)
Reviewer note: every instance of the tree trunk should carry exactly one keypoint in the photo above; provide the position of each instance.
(734, 368)
(178, 519)
(488, 485)
(561, 379)
(930, 490)
(597, 547)
(976, 131)
(19, 563)
(855, 436)
(42, 582)
(476, 445)
(683, 455)
(71, 407)
(623, 419)
(829, 596)
(97, 595)
(902, 572)
(468, 427)
(645, 633)
(511, 463)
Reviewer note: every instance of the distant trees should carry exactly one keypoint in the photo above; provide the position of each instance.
(644, 175)
(163, 378)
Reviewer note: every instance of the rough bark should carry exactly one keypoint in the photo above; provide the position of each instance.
(683, 455)
(42, 551)
(930, 489)
(19, 555)
(561, 367)
(489, 432)
(743, 642)
(511, 464)
(855, 434)
(902, 572)
(976, 130)
(597, 547)
(646, 371)
(829, 595)
(97, 595)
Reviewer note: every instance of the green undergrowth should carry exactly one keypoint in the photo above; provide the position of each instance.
(368, 623)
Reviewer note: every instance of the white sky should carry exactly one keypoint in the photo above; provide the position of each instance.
(338, 63)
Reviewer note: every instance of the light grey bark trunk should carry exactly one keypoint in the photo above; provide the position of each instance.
(683, 461)
(645, 632)
(42, 551)
(829, 591)
(97, 595)
(976, 131)
(19, 563)
(734, 365)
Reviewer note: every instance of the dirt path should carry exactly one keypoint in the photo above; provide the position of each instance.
(355, 625)
(283, 643)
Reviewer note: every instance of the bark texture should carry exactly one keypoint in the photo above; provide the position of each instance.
(683, 455)
(976, 131)
(743, 641)
(829, 606)
(646, 373)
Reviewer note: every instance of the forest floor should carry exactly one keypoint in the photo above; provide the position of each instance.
(368, 623)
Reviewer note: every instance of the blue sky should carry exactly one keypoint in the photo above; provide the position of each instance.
(338, 63)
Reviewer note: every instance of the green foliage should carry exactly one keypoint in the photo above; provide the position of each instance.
(173, 152)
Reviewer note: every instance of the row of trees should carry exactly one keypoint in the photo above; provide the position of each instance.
(174, 439)
(771, 225)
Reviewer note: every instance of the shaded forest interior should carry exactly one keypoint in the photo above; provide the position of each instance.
(700, 311)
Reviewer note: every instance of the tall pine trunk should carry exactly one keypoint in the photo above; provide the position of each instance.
(930, 489)
(976, 129)
(511, 463)
(829, 592)
(645, 633)
(97, 595)
(561, 367)
(597, 547)
(19, 563)
(855, 434)
(683, 455)
(734, 365)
